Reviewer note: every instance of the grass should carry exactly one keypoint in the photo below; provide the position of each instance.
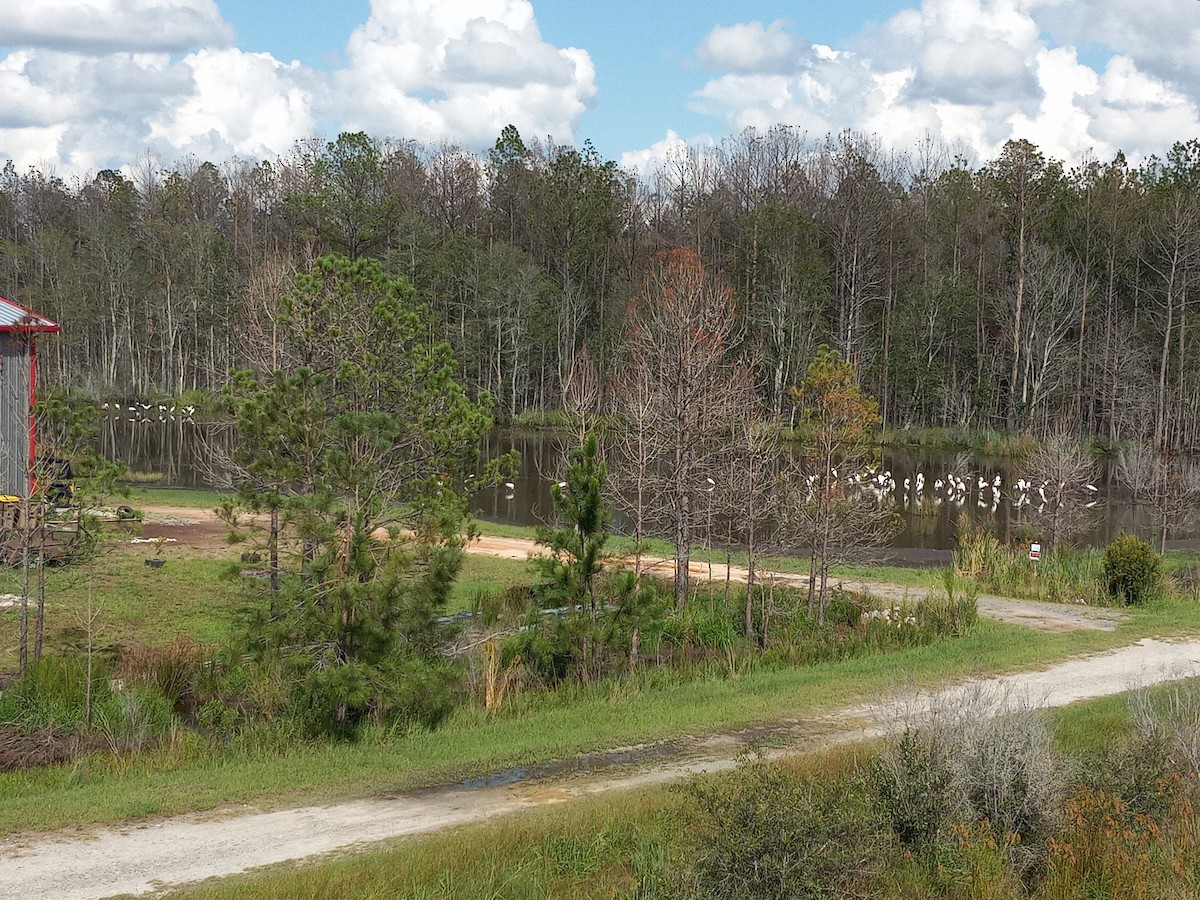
(988, 442)
(534, 728)
(146, 495)
(591, 847)
(133, 603)
(188, 596)
(487, 575)
(594, 847)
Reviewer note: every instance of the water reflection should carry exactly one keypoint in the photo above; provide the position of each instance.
(180, 452)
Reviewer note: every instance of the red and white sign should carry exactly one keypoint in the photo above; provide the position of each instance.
(1035, 552)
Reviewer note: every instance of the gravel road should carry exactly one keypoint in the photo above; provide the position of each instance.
(151, 857)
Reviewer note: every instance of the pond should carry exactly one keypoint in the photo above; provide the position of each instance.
(180, 451)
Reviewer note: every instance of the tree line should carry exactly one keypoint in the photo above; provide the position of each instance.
(1022, 293)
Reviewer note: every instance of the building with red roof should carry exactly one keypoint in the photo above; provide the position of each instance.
(19, 328)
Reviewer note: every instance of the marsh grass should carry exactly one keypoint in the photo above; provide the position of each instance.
(984, 442)
(1061, 576)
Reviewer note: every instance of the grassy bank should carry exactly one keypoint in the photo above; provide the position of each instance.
(189, 595)
(193, 775)
(617, 845)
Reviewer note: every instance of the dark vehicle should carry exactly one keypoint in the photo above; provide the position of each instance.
(59, 479)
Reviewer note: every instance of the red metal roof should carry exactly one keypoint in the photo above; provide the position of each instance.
(14, 317)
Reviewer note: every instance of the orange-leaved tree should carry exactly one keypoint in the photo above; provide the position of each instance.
(830, 511)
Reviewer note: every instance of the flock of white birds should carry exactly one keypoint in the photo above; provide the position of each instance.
(950, 488)
(917, 490)
(149, 412)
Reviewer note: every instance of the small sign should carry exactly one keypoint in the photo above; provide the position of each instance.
(1035, 552)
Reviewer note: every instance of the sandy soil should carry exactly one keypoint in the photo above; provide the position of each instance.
(199, 529)
(146, 858)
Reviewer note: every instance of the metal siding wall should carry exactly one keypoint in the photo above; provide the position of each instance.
(14, 415)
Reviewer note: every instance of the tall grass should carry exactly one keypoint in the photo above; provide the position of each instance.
(1061, 576)
(983, 441)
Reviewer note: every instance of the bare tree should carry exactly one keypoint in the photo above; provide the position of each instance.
(751, 486)
(683, 330)
(582, 395)
(1061, 472)
(1168, 484)
(1052, 294)
(636, 449)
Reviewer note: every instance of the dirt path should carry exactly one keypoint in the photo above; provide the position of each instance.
(145, 858)
(1043, 616)
(199, 529)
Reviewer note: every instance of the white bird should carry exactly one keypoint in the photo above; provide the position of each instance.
(562, 485)
(1092, 488)
(510, 485)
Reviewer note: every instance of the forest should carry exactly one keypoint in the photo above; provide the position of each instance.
(1025, 293)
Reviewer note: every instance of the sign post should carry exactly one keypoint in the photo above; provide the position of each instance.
(1035, 552)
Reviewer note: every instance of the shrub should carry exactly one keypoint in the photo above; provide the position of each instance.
(972, 761)
(1131, 570)
(764, 833)
(171, 669)
(914, 784)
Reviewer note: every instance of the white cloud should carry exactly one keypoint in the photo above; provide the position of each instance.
(248, 104)
(644, 161)
(976, 72)
(461, 71)
(105, 26)
(751, 47)
(92, 84)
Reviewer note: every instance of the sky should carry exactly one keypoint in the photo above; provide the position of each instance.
(93, 84)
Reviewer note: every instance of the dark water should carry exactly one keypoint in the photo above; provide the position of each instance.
(180, 451)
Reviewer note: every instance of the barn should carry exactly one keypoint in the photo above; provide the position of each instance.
(19, 328)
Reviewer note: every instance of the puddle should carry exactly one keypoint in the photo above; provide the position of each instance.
(585, 763)
(701, 747)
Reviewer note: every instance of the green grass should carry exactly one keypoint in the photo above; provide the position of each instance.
(487, 575)
(132, 603)
(592, 847)
(188, 596)
(534, 728)
(146, 495)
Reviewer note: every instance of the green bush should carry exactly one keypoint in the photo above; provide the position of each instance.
(1131, 570)
(913, 783)
(762, 832)
(54, 692)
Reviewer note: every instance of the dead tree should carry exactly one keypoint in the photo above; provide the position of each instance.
(1061, 473)
(683, 328)
(1167, 483)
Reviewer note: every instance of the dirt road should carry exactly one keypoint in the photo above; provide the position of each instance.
(145, 858)
(199, 529)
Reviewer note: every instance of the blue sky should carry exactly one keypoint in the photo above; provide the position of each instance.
(644, 51)
(89, 84)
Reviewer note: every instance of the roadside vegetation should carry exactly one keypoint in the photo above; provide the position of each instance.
(1095, 800)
